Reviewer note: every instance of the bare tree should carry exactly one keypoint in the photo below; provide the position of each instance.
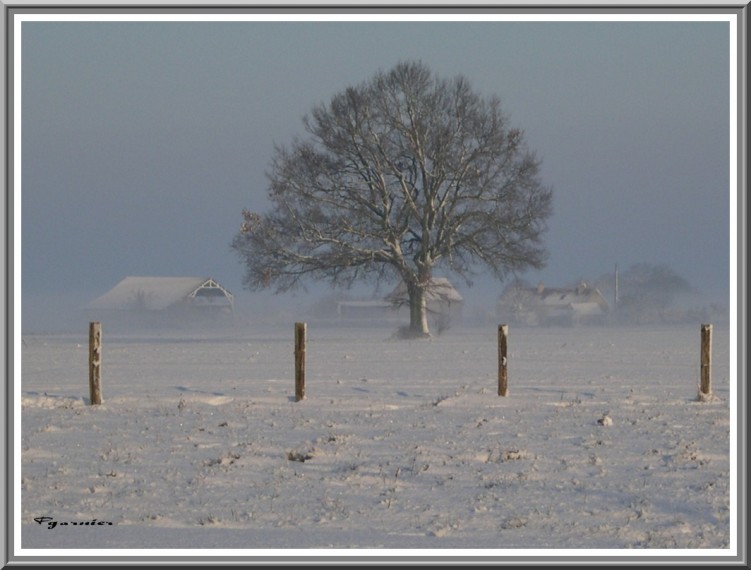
(647, 292)
(402, 174)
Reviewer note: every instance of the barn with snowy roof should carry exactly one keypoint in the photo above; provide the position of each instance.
(163, 299)
(443, 300)
(444, 303)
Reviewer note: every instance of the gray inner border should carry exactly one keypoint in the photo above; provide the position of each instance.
(7, 396)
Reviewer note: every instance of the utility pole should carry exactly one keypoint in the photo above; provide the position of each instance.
(615, 294)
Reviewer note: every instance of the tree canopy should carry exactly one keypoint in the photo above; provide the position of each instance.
(400, 175)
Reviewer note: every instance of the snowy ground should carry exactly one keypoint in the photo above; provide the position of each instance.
(601, 443)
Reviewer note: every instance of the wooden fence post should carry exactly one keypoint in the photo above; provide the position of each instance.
(300, 334)
(95, 363)
(502, 360)
(705, 388)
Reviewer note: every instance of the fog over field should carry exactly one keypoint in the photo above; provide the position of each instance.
(143, 141)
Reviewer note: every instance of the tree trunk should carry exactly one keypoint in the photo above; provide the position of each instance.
(418, 310)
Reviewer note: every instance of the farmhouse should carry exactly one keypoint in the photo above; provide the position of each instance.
(167, 300)
(443, 300)
(444, 305)
(364, 309)
(553, 306)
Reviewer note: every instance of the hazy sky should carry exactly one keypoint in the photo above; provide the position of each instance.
(143, 141)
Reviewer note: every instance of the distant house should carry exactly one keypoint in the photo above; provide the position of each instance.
(364, 309)
(443, 300)
(553, 306)
(163, 300)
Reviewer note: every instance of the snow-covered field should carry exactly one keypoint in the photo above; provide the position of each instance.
(600, 444)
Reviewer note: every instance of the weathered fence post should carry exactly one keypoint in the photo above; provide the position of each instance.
(300, 333)
(95, 363)
(502, 360)
(705, 388)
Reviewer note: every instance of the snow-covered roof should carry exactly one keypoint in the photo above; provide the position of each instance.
(440, 289)
(156, 293)
(583, 300)
(562, 297)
